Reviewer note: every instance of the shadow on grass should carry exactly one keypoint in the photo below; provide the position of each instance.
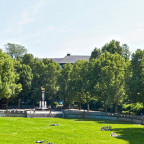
(133, 134)
(104, 121)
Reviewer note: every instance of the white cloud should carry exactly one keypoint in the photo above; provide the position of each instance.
(64, 30)
(28, 15)
(38, 6)
(50, 28)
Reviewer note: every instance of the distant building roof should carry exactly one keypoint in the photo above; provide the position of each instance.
(56, 59)
(69, 59)
(73, 59)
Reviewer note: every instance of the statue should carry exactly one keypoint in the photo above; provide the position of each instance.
(42, 88)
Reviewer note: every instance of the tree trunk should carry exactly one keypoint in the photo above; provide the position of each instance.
(69, 106)
(116, 107)
(7, 102)
(105, 108)
(88, 107)
(0, 103)
(19, 101)
(111, 109)
(79, 106)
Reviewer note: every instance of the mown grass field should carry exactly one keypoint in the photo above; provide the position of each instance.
(69, 131)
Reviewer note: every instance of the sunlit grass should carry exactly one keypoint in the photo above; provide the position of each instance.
(69, 131)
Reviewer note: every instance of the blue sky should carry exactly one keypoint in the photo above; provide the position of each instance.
(53, 28)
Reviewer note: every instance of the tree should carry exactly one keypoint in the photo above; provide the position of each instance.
(95, 53)
(65, 85)
(50, 77)
(136, 81)
(108, 79)
(25, 74)
(15, 50)
(28, 59)
(126, 54)
(85, 75)
(113, 47)
(38, 70)
(9, 87)
(78, 80)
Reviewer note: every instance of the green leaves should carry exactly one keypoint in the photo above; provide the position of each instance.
(15, 50)
(8, 77)
(108, 78)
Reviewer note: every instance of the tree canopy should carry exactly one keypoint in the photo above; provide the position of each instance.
(15, 50)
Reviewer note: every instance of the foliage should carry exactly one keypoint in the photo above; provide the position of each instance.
(78, 82)
(8, 77)
(113, 47)
(25, 74)
(132, 108)
(108, 78)
(65, 85)
(15, 50)
(95, 53)
(49, 78)
(136, 80)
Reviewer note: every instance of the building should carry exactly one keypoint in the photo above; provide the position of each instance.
(70, 59)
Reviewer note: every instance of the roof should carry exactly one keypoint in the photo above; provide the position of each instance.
(73, 59)
(69, 59)
(56, 59)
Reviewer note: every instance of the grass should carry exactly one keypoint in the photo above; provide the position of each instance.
(69, 131)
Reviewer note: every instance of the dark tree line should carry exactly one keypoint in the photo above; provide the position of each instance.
(112, 77)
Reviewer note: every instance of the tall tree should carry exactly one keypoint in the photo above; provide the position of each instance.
(38, 70)
(15, 50)
(78, 80)
(50, 77)
(85, 76)
(95, 53)
(65, 85)
(113, 47)
(28, 59)
(126, 53)
(8, 78)
(25, 74)
(108, 79)
(136, 83)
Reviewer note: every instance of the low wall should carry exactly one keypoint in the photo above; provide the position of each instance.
(103, 115)
(45, 114)
(13, 113)
(72, 114)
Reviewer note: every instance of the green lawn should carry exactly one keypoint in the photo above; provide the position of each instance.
(69, 131)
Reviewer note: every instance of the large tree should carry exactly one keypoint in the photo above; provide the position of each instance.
(79, 82)
(38, 70)
(9, 87)
(50, 78)
(136, 81)
(25, 74)
(15, 50)
(28, 59)
(108, 79)
(65, 84)
(113, 47)
(95, 53)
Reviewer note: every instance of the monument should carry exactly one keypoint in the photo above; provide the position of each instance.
(43, 103)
